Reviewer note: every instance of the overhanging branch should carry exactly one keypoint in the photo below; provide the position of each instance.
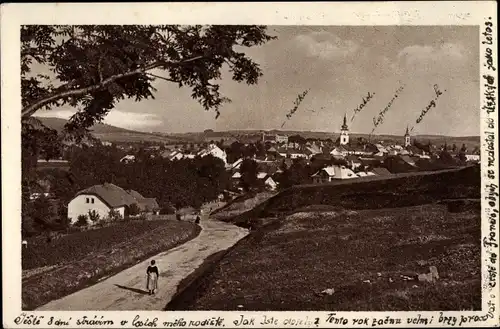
(29, 110)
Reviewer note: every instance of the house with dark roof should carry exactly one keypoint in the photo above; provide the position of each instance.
(331, 173)
(380, 171)
(102, 199)
(353, 161)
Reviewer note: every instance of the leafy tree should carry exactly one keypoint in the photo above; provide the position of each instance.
(297, 174)
(297, 139)
(462, 157)
(446, 158)
(249, 151)
(123, 61)
(234, 152)
(248, 172)
(38, 214)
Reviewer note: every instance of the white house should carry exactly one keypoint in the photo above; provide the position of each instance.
(281, 139)
(473, 157)
(128, 158)
(268, 180)
(331, 173)
(215, 151)
(104, 198)
(339, 151)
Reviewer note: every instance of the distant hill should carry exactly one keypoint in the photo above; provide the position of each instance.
(111, 133)
(100, 128)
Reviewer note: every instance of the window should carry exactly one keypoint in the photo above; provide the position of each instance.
(86, 200)
(92, 200)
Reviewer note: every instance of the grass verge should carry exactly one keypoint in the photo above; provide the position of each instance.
(362, 254)
(77, 260)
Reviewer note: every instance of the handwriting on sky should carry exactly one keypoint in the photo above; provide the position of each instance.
(363, 104)
(296, 104)
(432, 103)
(379, 119)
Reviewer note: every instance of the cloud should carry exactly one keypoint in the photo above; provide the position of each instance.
(326, 45)
(115, 118)
(447, 52)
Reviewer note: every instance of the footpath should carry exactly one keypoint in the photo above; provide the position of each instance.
(126, 291)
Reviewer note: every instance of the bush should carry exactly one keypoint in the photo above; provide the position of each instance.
(94, 216)
(114, 215)
(82, 220)
(134, 209)
(168, 210)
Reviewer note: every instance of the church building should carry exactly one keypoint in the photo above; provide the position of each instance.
(344, 133)
(407, 138)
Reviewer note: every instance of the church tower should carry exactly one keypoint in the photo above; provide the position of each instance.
(344, 133)
(407, 138)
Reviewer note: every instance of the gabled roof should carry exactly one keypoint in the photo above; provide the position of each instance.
(262, 175)
(407, 159)
(330, 171)
(381, 171)
(353, 158)
(148, 204)
(135, 194)
(114, 196)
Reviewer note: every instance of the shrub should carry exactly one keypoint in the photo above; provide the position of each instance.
(94, 216)
(167, 210)
(114, 215)
(82, 220)
(134, 209)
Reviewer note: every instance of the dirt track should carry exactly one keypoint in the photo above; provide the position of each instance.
(127, 289)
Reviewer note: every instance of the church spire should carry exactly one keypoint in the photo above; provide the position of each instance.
(344, 133)
(344, 125)
(407, 137)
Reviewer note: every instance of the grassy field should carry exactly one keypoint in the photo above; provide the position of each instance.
(359, 238)
(399, 190)
(71, 262)
(240, 205)
(361, 254)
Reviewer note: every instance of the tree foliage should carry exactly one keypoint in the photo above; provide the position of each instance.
(95, 66)
(249, 171)
(185, 182)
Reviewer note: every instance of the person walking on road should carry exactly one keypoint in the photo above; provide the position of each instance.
(152, 282)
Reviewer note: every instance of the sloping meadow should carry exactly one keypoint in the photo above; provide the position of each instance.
(399, 190)
(354, 247)
(370, 258)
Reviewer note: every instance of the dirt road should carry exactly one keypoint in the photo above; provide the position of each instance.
(127, 289)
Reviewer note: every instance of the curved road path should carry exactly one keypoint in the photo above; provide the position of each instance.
(126, 291)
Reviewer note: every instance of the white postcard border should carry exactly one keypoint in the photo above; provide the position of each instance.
(480, 13)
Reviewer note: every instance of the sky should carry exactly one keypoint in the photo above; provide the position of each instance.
(339, 65)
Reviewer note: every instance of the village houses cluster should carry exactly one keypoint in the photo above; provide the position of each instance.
(343, 159)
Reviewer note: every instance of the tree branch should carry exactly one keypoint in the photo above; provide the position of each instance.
(160, 77)
(29, 110)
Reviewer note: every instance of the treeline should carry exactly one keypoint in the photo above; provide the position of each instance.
(175, 184)
(180, 183)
